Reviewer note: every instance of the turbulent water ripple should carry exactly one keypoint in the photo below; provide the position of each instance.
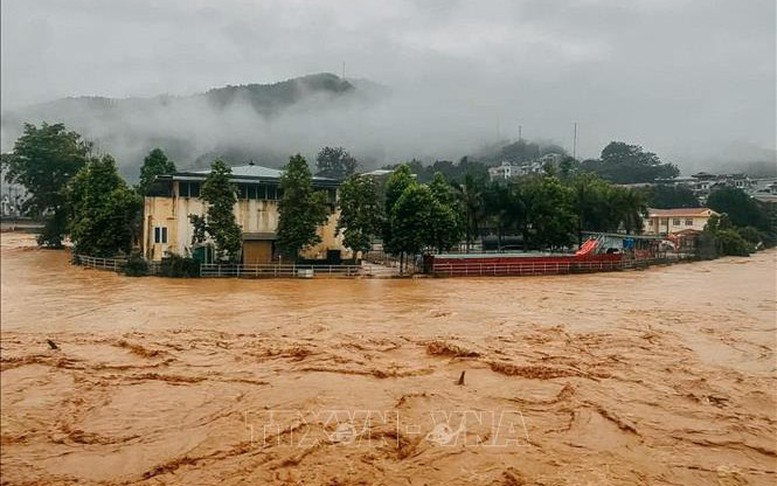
(665, 376)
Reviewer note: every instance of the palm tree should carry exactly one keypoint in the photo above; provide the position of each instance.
(470, 196)
(633, 209)
(503, 207)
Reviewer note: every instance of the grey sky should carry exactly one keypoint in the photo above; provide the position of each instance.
(685, 78)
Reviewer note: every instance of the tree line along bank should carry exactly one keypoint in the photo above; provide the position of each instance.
(80, 195)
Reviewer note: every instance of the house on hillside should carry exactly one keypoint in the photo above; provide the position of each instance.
(173, 197)
(671, 221)
(507, 170)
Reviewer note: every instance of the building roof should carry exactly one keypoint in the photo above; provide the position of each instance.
(246, 173)
(681, 212)
(767, 198)
(378, 172)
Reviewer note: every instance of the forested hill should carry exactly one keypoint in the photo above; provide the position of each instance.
(249, 120)
(266, 99)
(269, 98)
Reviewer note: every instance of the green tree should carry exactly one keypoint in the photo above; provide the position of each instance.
(452, 172)
(411, 221)
(664, 196)
(104, 210)
(568, 168)
(470, 195)
(601, 206)
(751, 234)
(219, 222)
(43, 161)
(335, 162)
(590, 204)
(627, 209)
(623, 163)
(361, 215)
(446, 229)
(397, 182)
(742, 209)
(520, 151)
(301, 210)
(550, 215)
(728, 241)
(156, 163)
(503, 208)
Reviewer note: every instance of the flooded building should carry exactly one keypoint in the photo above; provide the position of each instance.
(168, 230)
(669, 221)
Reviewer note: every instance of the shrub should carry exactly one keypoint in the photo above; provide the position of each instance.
(751, 234)
(136, 266)
(177, 266)
(730, 242)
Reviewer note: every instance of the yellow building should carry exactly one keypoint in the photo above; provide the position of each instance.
(669, 221)
(173, 197)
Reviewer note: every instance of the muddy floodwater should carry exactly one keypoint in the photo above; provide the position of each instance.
(664, 376)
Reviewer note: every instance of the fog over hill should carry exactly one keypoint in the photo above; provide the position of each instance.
(260, 122)
(268, 122)
(691, 80)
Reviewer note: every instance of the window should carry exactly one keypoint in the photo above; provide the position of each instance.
(688, 222)
(189, 189)
(160, 234)
(676, 222)
(664, 221)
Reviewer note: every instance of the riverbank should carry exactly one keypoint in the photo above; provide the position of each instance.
(20, 226)
(665, 376)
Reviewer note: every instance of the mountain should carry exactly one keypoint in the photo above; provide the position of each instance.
(253, 121)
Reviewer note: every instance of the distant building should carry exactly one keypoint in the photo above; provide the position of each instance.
(671, 221)
(6, 206)
(173, 197)
(507, 170)
(501, 172)
(12, 200)
(765, 191)
(703, 183)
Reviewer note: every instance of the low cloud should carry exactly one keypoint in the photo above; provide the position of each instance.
(686, 79)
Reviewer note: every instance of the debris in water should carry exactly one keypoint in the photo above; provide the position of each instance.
(461, 379)
(52, 344)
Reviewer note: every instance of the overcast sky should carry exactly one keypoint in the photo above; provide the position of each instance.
(684, 78)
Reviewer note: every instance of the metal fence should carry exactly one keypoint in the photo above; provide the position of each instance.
(472, 269)
(112, 264)
(270, 271)
(378, 257)
(443, 269)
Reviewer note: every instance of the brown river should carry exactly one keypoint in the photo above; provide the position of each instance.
(664, 376)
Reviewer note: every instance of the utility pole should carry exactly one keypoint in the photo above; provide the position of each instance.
(343, 70)
(520, 135)
(574, 143)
